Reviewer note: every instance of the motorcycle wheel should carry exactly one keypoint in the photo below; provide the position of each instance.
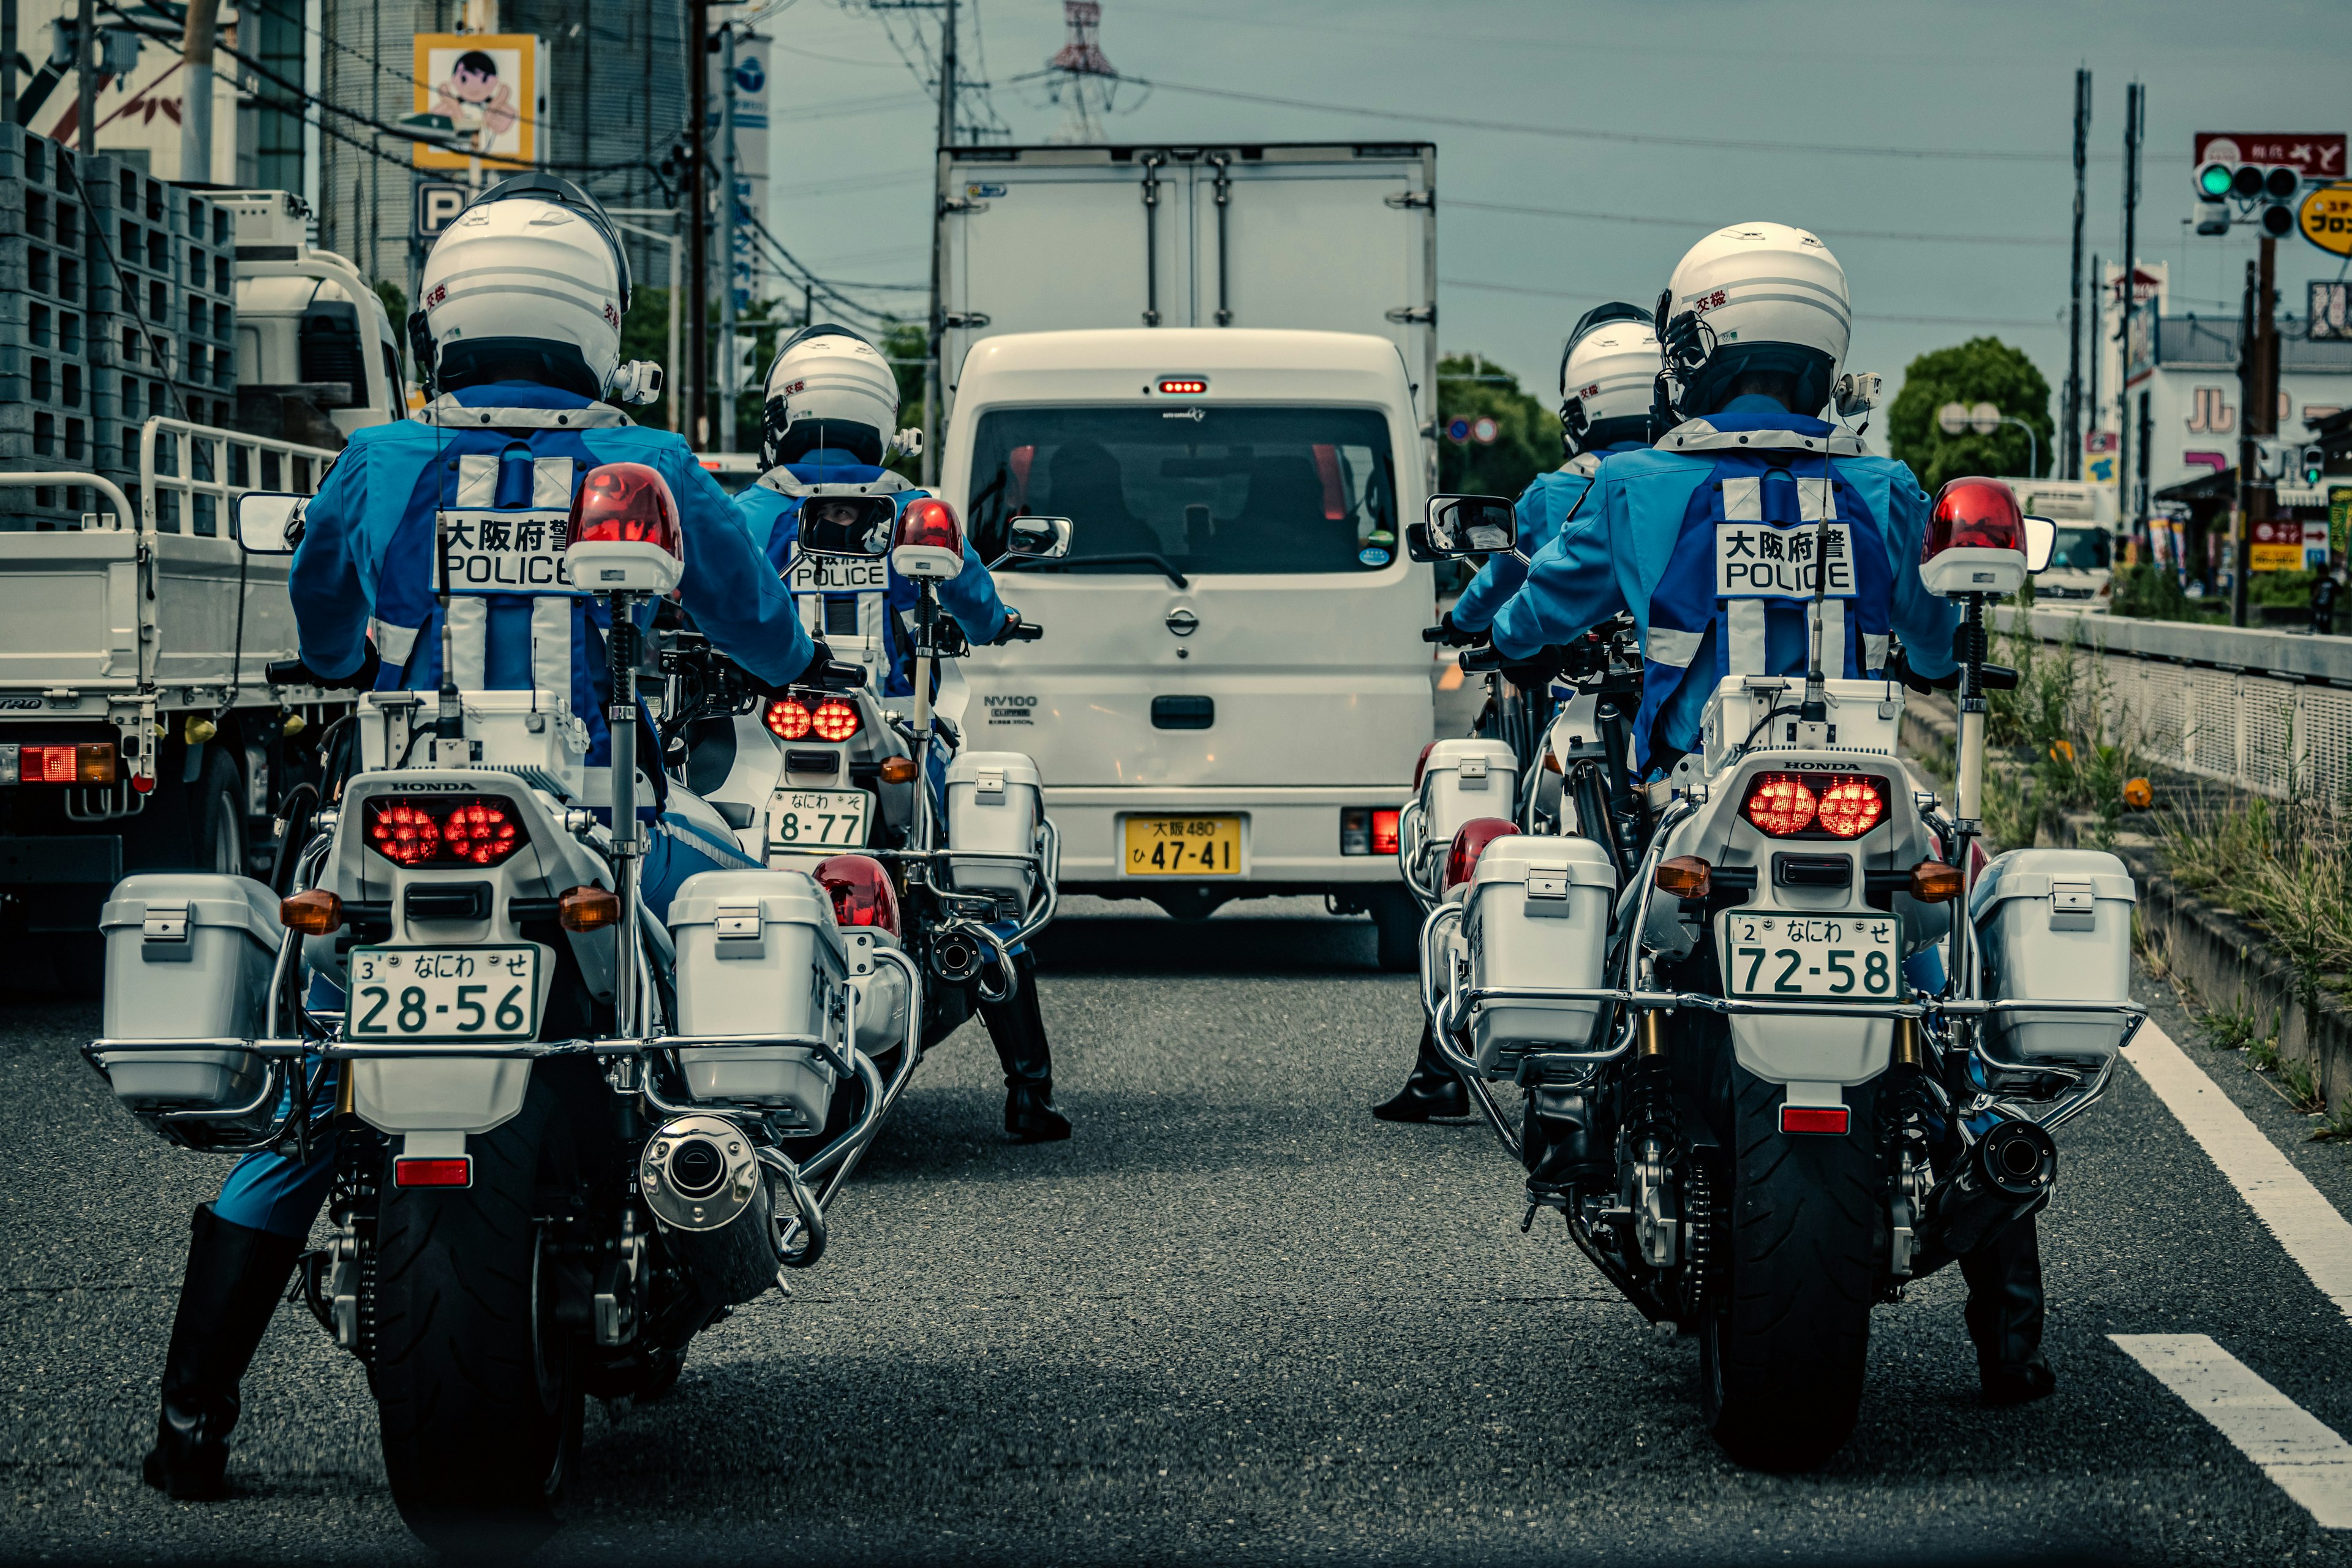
(478, 1388)
(1784, 1345)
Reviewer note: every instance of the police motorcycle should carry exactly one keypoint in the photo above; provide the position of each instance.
(974, 860)
(1753, 1121)
(473, 889)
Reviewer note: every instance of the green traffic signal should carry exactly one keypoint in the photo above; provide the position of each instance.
(2213, 181)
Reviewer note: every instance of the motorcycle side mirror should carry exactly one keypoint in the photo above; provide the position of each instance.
(855, 526)
(1038, 538)
(2040, 540)
(1416, 543)
(269, 523)
(1471, 525)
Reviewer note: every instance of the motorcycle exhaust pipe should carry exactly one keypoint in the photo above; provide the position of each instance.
(956, 957)
(700, 1175)
(2008, 1175)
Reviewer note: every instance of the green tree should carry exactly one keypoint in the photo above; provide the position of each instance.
(1982, 370)
(1526, 443)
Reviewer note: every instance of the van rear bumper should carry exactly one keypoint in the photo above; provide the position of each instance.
(1291, 833)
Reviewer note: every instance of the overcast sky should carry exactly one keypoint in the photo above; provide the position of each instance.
(1973, 78)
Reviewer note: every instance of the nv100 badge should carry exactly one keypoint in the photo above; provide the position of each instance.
(506, 551)
(1755, 560)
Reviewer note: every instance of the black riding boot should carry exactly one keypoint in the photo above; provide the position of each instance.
(1432, 1090)
(2004, 1315)
(233, 1281)
(1018, 1029)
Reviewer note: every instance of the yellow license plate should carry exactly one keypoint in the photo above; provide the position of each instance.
(1184, 846)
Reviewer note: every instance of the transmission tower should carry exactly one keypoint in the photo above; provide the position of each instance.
(1079, 78)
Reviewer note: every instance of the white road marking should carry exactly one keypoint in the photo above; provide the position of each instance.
(2310, 1463)
(2315, 1235)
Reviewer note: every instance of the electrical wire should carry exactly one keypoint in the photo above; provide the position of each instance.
(1859, 316)
(1684, 224)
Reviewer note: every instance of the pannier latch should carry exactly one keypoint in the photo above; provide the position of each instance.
(1548, 895)
(164, 934)
(988, 787)
(2072, 906)
(741, 930)
(1472, 774)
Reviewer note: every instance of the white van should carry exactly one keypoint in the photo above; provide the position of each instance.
(2081, 573)
(1232, 686)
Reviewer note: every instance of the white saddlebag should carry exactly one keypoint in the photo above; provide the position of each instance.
(2055, 926)
(1465, 779)
(188, 957)
(1537, 917)
(992, 807)
(758, 954)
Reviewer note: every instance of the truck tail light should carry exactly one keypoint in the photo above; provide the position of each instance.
(63, 765)
(1462, 858)
(480, 830)
(861, 891)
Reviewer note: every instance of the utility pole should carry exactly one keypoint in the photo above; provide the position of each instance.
(2073, 467)
(86, 79)
(7, 62)
(2257, 382)
(694, 209)
(197, 97)
(2098, 342)
(2135, 118)
(934, 380)
(727, 370)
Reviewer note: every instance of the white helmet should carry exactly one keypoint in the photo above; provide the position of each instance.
(530, 283)
(829, 388)
(1608, 371)
(1755, 297)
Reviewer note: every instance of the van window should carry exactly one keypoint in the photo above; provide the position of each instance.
(2081, 550)
(1222, 489)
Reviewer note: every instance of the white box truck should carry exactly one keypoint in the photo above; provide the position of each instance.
(1232, 686)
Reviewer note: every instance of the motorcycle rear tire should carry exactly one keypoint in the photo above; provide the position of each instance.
(1783, 1347)
(478, 1387)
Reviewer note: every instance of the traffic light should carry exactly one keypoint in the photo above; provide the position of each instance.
(2213, 181)
(2313, 465)
(2248, 187)
(2278, 221)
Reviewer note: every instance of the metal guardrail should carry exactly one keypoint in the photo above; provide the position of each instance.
(2267, 711)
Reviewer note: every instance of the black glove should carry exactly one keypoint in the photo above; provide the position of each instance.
(1535, 672)
(294, 672)
(1010, 631)
(810, 674)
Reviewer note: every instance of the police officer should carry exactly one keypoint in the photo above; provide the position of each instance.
(1606, 370)
(520, 333)
(1755, 323)
(831, 421)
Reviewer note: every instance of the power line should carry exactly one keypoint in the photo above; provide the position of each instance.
(1684, 225)
(1859, 316)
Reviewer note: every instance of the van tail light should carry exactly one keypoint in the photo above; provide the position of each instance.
(1462, 859)
(83, 765)
(861, 891)
(588, 908)
(1975, 539)
(928, 540)
(1933, 882)
(1685, 877)
(1815, 805)
(1384, 831)
(788, 719)
(624, 535)
(479, 830)
(457, 1171)
(834, 719)
(317, 912)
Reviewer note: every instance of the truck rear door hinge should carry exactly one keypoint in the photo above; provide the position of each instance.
(964, 318)
(962, 205)
(1425, 315)
(1404, 199)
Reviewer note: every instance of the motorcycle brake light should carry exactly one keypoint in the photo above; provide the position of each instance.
(861, 891)
(788, 719)
(1780, 805)
(480, 830)
(1810, 804)
(834, 719)
(457, 1171)
(1852, 806)
(1469, 843)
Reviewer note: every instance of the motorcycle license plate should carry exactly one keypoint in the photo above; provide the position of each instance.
(833, 575)
(817, 818)
(1837, 958)
(1184, 846)
(444, 994)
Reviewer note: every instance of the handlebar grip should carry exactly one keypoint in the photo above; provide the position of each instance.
(1027, 631)
(1484, 656)
(841, 677)
(1432, 633)
(287, 672)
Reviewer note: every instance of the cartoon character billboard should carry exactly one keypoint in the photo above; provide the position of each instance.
(492, 88)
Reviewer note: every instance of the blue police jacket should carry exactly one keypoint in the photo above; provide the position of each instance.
(1542, 507)
(1708, 538)
(772, 509)
(499, 464)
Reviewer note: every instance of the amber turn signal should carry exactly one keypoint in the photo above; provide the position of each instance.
(2138, 793)
(898, 770)
(315, 913)
(1933, 882)
(589, 908)
(1685, 877)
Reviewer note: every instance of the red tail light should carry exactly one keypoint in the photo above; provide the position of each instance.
(1815, 805)
(1384, 831)
(87, 765)
(449, 1172)
(626, 503)
(861, 891)
(1470, 843)
(1974, 514)
(788, 719)
(1420, 765)
(834, 719)
(480, 831)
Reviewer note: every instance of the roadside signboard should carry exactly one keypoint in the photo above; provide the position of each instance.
(2313, 157)
(2277, 545)
(436, 205)
(493, 89)
(2325, 220)
(2339, 518)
